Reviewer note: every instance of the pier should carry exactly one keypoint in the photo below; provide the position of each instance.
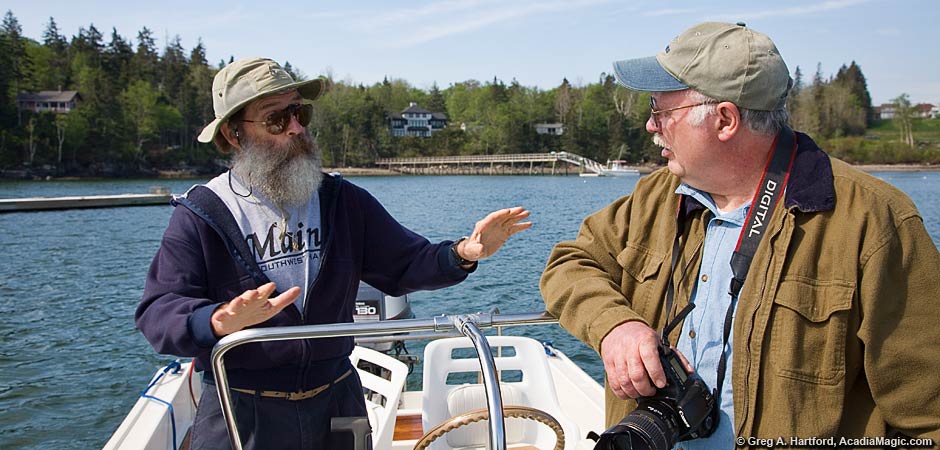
(11, 205)
(553, 163)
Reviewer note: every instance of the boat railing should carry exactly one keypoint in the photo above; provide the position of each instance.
(470, 325)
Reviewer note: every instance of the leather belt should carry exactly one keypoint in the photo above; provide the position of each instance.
(295, 396)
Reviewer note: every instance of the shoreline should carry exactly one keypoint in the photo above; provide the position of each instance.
(378, 172)
(369, 171)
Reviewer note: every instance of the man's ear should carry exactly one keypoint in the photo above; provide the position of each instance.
(231, 134)
(729, 120)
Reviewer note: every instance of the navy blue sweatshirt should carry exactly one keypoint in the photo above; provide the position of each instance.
(197, 268)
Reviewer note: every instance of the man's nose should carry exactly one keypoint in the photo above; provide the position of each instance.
(294, 127)
(651, 125)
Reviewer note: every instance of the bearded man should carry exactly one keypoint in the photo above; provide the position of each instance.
(275, 242)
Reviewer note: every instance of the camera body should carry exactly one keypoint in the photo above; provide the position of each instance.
(682, 410)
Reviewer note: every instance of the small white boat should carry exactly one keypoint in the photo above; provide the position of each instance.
(555, 398)
(619, 168)
(615, 168)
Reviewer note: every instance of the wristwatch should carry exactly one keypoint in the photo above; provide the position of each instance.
(460, 260)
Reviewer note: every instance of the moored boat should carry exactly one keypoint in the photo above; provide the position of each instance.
(619, 168)
(615, 168)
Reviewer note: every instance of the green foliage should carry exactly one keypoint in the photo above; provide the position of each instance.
(839, 106)
(138, 109)
(142, 107)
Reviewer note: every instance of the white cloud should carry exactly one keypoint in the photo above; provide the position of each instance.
(431, 11)
(830, 5)
(670, 12)
(401, 28)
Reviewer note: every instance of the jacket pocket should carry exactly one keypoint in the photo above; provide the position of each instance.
(640, 266)
(640, 262)
(808, 329)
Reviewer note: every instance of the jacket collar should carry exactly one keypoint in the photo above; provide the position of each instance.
(810, 187)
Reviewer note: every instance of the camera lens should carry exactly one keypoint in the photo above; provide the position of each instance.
(651, 426)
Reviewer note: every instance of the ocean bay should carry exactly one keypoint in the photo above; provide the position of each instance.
(73, 364)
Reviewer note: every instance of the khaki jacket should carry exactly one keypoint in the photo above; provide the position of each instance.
(836, 330)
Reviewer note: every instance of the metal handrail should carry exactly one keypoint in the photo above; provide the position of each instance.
(465, 323)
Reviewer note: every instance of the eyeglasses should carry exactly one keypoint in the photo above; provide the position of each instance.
(654, 113)
(278, 121)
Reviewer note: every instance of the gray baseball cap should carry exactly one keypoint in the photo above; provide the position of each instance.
(247, 80)
(725, 61)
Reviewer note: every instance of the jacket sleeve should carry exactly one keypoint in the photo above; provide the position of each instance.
(174, 312)
(581, 281)
(397, 260)
(899, 293)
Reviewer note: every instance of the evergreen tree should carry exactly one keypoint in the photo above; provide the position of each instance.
(117, 60)
(199, 92)
(436, 102)
(144, 64)
(57, 66)
(294, 72)
(854, 80)
(13, 66)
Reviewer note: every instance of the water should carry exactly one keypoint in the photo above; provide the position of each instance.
(72, 364)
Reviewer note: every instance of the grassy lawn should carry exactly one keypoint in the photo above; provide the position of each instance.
(882, 145)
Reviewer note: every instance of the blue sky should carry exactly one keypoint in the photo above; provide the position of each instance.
(537, 42)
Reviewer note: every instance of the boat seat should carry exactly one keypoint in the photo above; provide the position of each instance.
(383, 394)
(525, 380)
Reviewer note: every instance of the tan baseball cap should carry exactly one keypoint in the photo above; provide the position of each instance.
(246, 80)
(725, 61)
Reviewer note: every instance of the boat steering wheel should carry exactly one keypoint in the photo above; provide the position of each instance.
(476, 415)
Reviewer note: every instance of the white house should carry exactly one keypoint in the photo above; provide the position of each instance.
(416, 121)
(556, 129)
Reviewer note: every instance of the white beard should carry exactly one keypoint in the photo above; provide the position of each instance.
(288, 175)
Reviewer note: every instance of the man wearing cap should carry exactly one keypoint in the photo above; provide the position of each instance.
(275, 242)
(814, 285)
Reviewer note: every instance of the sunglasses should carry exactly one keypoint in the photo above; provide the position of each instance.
(654, 113)
(278, 121)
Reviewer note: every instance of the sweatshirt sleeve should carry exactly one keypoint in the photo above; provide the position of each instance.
(174, 312)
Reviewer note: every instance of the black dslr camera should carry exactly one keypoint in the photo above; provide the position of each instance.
(685, 409)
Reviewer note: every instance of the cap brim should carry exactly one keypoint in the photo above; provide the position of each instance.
(309, 90)
(645, 74)
(209, 131)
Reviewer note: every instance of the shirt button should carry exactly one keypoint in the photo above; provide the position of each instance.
(704, 278)
(692, 334)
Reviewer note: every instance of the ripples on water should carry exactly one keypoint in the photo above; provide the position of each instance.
(72, 364)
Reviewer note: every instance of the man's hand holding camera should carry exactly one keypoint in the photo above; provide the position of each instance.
(631, 359)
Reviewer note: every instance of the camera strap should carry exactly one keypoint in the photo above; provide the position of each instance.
(770, 189)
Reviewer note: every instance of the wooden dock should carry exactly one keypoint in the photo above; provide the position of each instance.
(502, 164)
(10, 205)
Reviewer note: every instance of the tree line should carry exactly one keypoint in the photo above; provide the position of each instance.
(142, 107)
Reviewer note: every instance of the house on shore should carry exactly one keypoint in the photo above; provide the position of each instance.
(60, 102)
(920, 110)
(555, 129)
(416, 121)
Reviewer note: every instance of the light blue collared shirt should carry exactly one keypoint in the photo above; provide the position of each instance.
(703, 329)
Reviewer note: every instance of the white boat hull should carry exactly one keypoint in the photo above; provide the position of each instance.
(148, 425)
